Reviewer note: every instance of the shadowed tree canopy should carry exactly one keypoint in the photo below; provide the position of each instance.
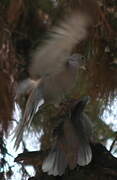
(26, 25)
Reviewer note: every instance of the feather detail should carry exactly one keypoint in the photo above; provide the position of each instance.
(55, 164)
(32, 105)
(84, 154)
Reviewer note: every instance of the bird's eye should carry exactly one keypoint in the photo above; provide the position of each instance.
(83, 57)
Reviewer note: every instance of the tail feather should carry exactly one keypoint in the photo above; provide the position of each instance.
(50, 58)
(84, 155)
(55, 164)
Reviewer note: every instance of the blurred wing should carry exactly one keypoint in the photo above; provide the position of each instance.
(64, 38)
(25, 87)
(32, 105)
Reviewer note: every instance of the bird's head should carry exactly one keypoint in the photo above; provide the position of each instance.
(76, 61)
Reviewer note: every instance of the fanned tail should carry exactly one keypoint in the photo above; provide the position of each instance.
(84, 154)
(55, 163)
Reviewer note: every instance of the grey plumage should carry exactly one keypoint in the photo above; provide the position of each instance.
(30, 110)
(55, 71)
(57, 86)
(51, 88)
(72, 143)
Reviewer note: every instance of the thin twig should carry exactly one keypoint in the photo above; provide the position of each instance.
(113, 143)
